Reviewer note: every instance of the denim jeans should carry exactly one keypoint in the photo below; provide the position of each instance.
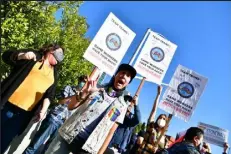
(48, 128)
(13, 122)
(60, 146)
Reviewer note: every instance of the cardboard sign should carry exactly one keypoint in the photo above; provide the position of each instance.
(155, 58)
(214, 135)
(183, 93)
(109, 45)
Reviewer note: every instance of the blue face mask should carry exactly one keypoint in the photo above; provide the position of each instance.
(81, 84)
(58, 54)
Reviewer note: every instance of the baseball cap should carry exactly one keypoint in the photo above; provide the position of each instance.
(127, 67)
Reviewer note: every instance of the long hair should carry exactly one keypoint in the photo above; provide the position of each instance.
(155, 124)
(49, 47)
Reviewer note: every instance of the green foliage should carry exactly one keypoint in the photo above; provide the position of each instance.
(30, 24)
(138, 128)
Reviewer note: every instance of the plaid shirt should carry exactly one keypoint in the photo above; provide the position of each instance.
(60, 112)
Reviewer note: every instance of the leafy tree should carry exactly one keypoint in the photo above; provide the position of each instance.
(31, 24)
(138, 128)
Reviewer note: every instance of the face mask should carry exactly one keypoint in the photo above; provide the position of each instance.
(58, 54)
(81, 84)
(161, 123)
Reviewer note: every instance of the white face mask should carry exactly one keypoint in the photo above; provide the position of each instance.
(161, 123)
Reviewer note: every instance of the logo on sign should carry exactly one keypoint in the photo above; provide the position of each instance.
(157, 54)
(113, 41)
(185, 89)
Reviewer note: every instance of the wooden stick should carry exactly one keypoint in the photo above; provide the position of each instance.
(140, 86)
(163, 131)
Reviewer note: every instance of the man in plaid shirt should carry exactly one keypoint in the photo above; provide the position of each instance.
(55, 118)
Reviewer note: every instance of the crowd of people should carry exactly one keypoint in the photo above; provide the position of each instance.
(88, 118)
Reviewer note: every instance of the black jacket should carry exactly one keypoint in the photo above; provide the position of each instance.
(20, 70)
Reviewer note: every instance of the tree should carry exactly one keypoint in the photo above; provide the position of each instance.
(138, 128)
(31, 24)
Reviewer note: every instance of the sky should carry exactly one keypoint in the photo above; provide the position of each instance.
(202, 32)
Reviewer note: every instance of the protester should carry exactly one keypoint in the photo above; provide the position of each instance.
(105, 104)
(139, 140)
(30, 84)
(72, 90)
(132, 143)
(192, 140)
(153, 132)
(206, 149)
(123, 133)
(55, 118)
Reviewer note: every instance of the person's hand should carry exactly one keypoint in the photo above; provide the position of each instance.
(206, 148)
(159, 89)
(135, 100)
(226, 146)
(28, 56)
(139, 140)
(40, 115)
(90, 87)
(155, 149)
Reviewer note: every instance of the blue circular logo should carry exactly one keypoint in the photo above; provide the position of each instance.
(185, 89)
(113, 41)
(157, 54)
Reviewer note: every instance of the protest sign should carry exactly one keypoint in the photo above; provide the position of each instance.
(109, 45)
(183, 93)
(155, 57)
(214, 135)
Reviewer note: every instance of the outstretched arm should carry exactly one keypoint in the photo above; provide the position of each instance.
(18, 57)
(226, 147)
(135, 120)
(153, 112)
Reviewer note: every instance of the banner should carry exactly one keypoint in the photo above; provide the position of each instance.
(109, 45)
(155, 58)
(214, 135)
(183, 93)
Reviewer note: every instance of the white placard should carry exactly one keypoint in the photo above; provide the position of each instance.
(214, 135)
(183, 93)
(155, 57)
(109, 45)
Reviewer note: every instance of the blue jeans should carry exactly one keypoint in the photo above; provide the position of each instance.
(49, 127)
(13, 122)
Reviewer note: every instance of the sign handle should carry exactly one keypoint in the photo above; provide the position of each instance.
(139, 47)
(140, 86)
(165, 128)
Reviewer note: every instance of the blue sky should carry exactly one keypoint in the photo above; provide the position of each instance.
(202, 31)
